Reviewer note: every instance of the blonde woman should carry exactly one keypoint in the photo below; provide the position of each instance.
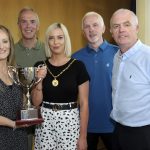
(64, 82)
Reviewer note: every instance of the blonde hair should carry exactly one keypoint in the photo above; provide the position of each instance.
(52, 27)
(11, 57)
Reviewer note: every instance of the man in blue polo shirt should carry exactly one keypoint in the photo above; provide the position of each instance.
(98, 57)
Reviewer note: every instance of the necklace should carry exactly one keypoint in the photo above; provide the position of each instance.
(55, 81)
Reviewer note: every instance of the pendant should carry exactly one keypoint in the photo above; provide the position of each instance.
(55, 82)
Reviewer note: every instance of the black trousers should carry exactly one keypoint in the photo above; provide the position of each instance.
(93, 138)
(132, 138)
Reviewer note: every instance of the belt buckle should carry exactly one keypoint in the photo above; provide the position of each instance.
(56, 107)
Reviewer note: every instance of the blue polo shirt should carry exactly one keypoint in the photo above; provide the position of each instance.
(99, 66)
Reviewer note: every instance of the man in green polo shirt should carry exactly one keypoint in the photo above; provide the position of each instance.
(28, 49)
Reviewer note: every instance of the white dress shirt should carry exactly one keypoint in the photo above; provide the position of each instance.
(131, 86)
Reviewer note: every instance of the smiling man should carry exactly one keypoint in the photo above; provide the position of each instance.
(28, 49)
(98, 56)
(130, 83)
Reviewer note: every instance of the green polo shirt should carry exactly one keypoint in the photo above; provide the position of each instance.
(26, 57)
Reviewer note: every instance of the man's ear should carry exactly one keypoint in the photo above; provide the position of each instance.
(104, 28)
(111, 32)
(137, 28)
(83, 33)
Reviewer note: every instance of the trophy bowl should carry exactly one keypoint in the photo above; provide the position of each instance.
(26, 78)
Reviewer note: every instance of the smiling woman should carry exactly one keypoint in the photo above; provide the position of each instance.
(56, 41)
(10, 98)
(4, 45)
(62, 87)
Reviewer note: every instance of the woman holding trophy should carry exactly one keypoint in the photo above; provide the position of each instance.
(11, 137)
(64, 87)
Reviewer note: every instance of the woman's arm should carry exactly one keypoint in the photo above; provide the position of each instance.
(7, 122)
(84, 114)
(10, 123)
(37, 93)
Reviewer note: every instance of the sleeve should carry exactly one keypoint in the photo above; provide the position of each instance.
(83, 75)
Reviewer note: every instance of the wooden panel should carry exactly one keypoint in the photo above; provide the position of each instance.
(69, 12)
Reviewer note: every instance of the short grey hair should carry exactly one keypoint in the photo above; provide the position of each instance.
(28, 9)
(92, 13)
(134, 17)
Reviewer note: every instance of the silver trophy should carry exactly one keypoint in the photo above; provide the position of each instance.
(26, 77)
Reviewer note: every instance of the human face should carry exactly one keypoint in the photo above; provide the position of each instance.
(28, 25)
(4, 45)
(124, 30)
(93, 30)
(57, 41)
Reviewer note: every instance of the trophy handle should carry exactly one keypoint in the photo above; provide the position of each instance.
(39, 66)
(12, 72)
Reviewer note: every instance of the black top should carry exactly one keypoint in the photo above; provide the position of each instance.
(67, 90)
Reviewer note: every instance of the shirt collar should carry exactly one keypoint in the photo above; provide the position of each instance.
(37, 45)
(131, 51)
(102, 47)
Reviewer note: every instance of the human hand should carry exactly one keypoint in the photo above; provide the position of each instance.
(15, 126)
(82, 144)
(41, 71)
(23, 126)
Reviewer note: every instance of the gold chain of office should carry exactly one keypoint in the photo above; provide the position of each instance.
(55, 81)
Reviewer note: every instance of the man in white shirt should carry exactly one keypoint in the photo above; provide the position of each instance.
(130, 83)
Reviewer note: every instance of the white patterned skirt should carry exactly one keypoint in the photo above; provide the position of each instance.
(59, 131)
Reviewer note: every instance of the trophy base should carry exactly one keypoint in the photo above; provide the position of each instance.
(29, 116)
(30, 122)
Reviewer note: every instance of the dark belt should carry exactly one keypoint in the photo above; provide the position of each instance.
(57, 107)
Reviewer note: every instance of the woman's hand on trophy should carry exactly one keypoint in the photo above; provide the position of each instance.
(15, 126)
(41, 71)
